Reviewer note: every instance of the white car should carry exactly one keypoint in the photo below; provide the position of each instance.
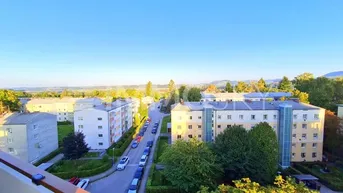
(143, 160)
(83, 183)
(123, 163)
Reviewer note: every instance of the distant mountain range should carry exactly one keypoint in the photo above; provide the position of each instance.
(334, 74)
(222, 83)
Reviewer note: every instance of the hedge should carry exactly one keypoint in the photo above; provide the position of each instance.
(324, 179)
(84, 173)
(48, 157)
(162, 189)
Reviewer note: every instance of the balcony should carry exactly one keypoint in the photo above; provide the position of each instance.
(16, 176)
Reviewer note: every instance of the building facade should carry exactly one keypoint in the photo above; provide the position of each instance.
(28, 136)
(340, 111)
(104, 124)
(63, 108)
(254, 96)
(299, 127)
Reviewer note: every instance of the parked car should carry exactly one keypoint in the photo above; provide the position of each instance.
(143, 160)
(139, 173)
(138, 138)
(156, 124)
(150, 143)
(123, 163)
(134, 145)
(145, 128)
(146, 151)
(74, 180)
(83, 183)
(134, 187)
(141, 133)
(154, 131)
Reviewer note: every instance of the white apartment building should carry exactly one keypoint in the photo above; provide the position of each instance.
(301, 125)
(104, 124)
(63, 108)
(254, 96)
(28, 136)
(340, 111)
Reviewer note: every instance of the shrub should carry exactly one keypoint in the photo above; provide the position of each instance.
(339, 163)
(162, 189)
(48, 157)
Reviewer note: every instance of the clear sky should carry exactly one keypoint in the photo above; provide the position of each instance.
(89, 43)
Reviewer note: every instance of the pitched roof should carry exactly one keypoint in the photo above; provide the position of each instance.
(24, 118)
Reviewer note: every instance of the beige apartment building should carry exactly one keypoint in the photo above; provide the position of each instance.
(302, 125)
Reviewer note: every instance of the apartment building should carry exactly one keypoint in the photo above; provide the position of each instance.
(254, 96)
(28, 136)
(299, 126)
(340, 111)
(63, 108)
(104, 124)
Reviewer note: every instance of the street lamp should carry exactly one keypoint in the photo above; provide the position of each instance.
(113, 156)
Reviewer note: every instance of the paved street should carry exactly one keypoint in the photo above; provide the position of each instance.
(119, 181)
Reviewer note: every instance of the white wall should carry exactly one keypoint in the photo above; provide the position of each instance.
(340, 112)
(18, 142)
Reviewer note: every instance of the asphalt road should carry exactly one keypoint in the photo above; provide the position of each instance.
(119, 181)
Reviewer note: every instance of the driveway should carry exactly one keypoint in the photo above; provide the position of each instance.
(119, 181)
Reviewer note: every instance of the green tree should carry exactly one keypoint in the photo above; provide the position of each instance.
(263, 153)
(74, 146)
(194, 94)
(302, 96)
(232, 150)
(302, 82)
(241, 87)
(211, 89)
(171, 86)
(143, 109)
(136, 119)
(188, 165)
(321, 93)
(9, 101)
(285, 85)
(66, 93)
(182, 90)
(172, 99)
(261, 85)
(148, 89)
(333, 135)
(228, 87)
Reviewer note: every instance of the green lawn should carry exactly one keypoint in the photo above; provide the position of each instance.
(64, 130)
(166, 119)
(162, 144)
(91, 154)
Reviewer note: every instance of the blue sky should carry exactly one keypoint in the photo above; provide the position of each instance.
(89, 43)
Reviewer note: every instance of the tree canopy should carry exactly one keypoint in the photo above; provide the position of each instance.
(148, 89)
(171, 86)
(182, 90)
(211, 89)
(261, 85)
(8, 101)
(74, 146)
(242, 87)
(228, 87)
(333, 135)
(285, 85)
(194, 94)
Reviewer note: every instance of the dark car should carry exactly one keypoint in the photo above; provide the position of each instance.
(141, 133)
(146, 151)
(156, 125)
(134, 145)
(150, 143)
(139, 172)
(145, 128)
(154, 131)
(134, 185)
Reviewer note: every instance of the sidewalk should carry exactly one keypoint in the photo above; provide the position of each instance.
(56, 158)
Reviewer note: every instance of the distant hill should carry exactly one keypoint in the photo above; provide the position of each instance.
(222, 83)
(334, 74)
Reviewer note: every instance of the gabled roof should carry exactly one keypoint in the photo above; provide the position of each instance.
(25, 118)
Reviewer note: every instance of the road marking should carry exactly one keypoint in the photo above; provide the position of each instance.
(131, 165)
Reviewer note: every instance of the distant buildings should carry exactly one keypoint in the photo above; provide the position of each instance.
(28, 136)
(104, 124)
(300, 127)
(147, 100)
(340, 111)
(254, 96)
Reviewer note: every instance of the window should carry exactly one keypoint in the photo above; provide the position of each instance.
(316, 116)
(314, 145)
(11, 150)
(190, 117)
(100, 143)
(229, 117)
(65, 118)
(295, 116)
(240, 125)
(293, 155)
(219, 126)
(9, 140)
(199, 126)
(99, 135)
(80, 126)
(303, 155)
(80, 118)
(59, 118)
(315, 135)
(275, 116)
(190, 136)
(99, 118)
(219, 117)
(228, 126)
(36, 136)
(99, 127)
(253, 117)
(295, 126)
(199, 117)
(189, 126)
(294, 145)
(179, 127)
(34, 127)
(304, 116)
(303, 145)
(199, 136)
(317, 126)
(65, 113)
(303, 136)
(304, 126)
(178, 136)
(265, 117)
(9, 130)
(241, 117)
(314, 155)
(59, 113)
(294, 135)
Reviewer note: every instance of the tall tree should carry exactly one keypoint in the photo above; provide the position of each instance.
(172, 99)
(321, 93)
(264, 153)
(74, 146)
(261, 85)
(285, 85)
(171, 86)
(9, 101)
(148, 89)
(302, 96)
(188, 165)
(333, 136)
(232, 150)
(137, 119)
(303, 81)
(182, 90)
(241, 86)
(228, 87)
(143, 109)
(211, 88)
(194, 94)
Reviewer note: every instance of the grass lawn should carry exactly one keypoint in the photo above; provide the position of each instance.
(158, 179)
(92, 154)
(165, 120)
(161, 146)
(76, 165)
(64, 130)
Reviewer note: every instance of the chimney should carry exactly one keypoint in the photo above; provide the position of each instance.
(181, 101)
